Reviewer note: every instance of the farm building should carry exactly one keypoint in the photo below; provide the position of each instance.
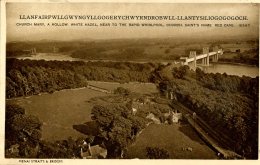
(93, 152)
(138, 103)
(170, 95)
(175, 116)
(153, 118)
(134, 111)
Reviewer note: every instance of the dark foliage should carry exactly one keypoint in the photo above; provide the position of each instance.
(23, 138)
(22, 130)
(118, 127)
(180, 72)
(121, 91)
(229, 104)
(250, 57)
(157, 153)
(30, 77)
(229, 83)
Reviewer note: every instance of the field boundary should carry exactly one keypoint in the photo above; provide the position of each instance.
(99, 89)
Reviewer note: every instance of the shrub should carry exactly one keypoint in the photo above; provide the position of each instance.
(157, 153)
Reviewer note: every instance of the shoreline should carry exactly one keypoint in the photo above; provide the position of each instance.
(142, 61)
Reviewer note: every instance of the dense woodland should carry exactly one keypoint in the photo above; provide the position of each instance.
(30, 77)
(229, 104)
(117, 127)
(23, 132)
(250, 57)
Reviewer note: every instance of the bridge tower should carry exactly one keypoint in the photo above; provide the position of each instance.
(33, 51)
(205, 61)
(193, 54)
(215, 57)
(55, 49)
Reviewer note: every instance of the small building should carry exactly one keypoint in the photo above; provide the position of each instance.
(147, 100)
(175, 116)
(170, 95)
(137, 104)
(98, 152)
(93, 152)
(14, 149)
(153, 118)
(183, 60)
(134, 111)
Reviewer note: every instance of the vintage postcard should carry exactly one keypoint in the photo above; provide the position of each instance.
(85, 81)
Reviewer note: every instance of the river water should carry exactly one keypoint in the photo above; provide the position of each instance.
(50, 56)
(230, 69)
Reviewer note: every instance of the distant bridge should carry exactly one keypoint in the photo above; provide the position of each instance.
(204, 56)
(31, 51)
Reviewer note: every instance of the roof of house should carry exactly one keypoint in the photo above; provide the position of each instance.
(86, 154)
(98, 151)
(95, 152)
(152, 117)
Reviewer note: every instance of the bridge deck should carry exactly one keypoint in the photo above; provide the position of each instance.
(201, 56)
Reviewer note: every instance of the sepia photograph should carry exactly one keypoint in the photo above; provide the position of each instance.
(131, 81)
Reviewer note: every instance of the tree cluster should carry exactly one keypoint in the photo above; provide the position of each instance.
(229, 104)
(229, 83)
(23, 138)
(22, 130)
(157, 153)
(250, 57)
(122, 91)
(30, 77)
(118, 127)
(180, 72)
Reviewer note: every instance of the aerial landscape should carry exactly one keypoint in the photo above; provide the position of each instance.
(156, 97)
(129, 98)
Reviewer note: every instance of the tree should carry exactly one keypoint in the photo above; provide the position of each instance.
(122, 91)
(162, 119)
(22, 130)
(117, 126)
(169, 119)
(25, 122)
(167, 51)
(199, 73)
(12, 110)
(180, 72)
(157, 153)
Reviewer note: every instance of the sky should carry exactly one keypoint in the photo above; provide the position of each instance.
(15, 32)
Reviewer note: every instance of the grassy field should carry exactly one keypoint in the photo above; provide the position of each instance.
(61, 110)
(172, 138)
(142, 88)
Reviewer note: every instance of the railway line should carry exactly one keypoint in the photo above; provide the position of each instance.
(219, 142)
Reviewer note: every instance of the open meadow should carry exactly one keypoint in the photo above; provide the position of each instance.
(61, 110)
(175, 139)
